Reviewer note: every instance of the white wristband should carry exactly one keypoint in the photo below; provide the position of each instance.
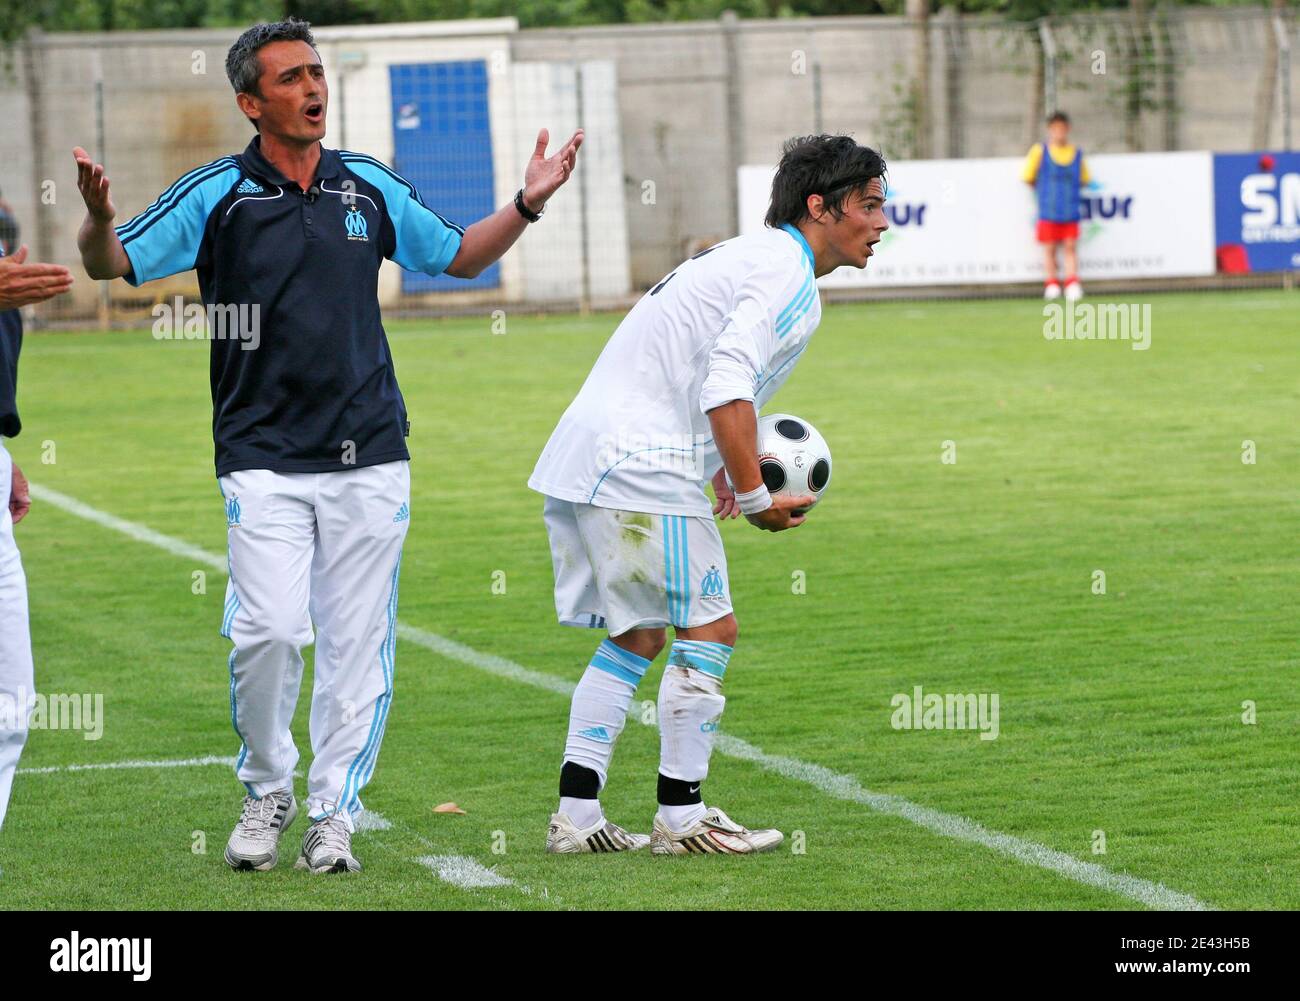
(755, 501)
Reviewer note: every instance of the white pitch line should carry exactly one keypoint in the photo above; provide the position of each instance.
(113, 765)
(136, 531)
(958, 828)
(463, 872)
(371, 820)
(460, 871)
(949, 825)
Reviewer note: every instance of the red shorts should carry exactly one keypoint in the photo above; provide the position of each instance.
(1055, 232)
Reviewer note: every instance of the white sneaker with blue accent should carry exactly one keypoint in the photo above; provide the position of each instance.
(714, 834)
(327, 846)
(564, 837)
(255, 842)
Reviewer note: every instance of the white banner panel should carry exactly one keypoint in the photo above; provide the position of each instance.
(957, 222)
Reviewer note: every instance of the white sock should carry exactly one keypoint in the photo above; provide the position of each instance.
(583, 812)
(682, 818)
(598, 711)
(690, 705)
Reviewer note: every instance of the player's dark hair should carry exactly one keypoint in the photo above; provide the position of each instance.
(242, 65)
(1058, 116)
(834, 167)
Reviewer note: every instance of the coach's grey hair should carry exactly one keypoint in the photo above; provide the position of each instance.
(242, 66)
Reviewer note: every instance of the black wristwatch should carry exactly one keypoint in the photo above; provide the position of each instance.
(524, 210)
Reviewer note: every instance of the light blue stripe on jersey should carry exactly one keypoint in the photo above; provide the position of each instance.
(350, 157)
(172, 195)
(423, 240)
(783, 327)
(764, 380)
(802, 241)
(798, 297)
(658, 448)
(169, 241)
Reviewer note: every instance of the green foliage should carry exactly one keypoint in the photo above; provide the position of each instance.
(135, 15)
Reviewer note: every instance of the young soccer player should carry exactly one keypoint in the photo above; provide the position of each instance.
(671, 404)
(1056, 171)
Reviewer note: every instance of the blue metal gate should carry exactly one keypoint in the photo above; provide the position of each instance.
(442, 143)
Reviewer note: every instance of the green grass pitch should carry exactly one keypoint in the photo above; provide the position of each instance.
(1120, 712)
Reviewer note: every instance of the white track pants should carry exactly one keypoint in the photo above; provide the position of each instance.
(16, 681)
(306, 548)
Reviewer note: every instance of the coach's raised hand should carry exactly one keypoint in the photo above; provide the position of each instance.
(102, 253)
(544, 175)
(486, 240)
(92, 182)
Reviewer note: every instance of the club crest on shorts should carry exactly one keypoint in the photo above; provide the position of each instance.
(712, 585)
(232, 511)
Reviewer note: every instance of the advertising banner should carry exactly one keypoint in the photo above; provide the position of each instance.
(1257, 211)
(956, 222)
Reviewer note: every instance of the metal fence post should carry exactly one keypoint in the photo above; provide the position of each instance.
(1049, 66)
(1284, 75)
(43, 244)
(105, 305)
(584, 304)
(730, 24)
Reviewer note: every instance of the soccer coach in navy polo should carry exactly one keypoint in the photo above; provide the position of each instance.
(308, 422)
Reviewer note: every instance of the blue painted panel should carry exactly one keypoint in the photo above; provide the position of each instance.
(442, 143)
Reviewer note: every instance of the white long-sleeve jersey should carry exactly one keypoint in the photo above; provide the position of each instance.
(728, 324)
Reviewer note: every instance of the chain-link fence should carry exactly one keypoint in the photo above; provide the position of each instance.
(670, 111)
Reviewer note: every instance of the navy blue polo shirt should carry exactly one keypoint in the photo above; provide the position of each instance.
(11, 342)
(305, 382)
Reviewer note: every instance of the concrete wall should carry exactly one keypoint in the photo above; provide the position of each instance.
(689, 102)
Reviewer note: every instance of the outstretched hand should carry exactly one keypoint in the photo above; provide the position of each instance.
(544, 175)
(92, 182)
(22, 284)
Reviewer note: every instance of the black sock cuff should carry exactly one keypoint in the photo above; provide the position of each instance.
(675, 792)
(579, 782)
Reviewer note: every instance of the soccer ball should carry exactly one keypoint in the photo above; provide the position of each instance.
(793, 457)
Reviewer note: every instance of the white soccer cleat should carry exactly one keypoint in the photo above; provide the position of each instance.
(1073, 291)
(564, 837)
(715, 834)
(255, 842)
(1052, 291)
(327, 847)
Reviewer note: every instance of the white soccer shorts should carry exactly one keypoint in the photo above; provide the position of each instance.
(16, 679)
(621, 570)
(322, 548)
